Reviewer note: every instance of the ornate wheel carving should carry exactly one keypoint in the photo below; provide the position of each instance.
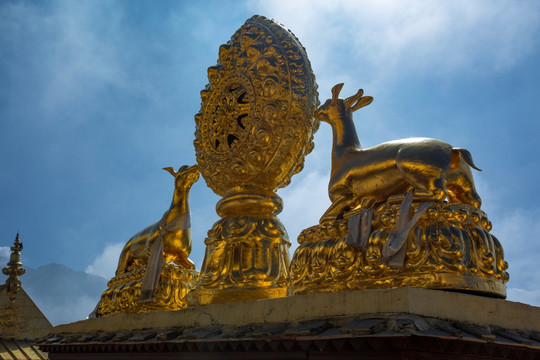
(256, 121)
(254, 129)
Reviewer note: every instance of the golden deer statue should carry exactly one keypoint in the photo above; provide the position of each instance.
(174, 228)
(433, 168)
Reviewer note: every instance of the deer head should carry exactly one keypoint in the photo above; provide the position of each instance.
(336, 108)
(185, 177)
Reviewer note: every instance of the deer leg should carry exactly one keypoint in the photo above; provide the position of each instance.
(124, 259)
(339, 206)
(425, 172)
(426, 186)
(430, 195)
(185, 263)
(461, 186)
(179, 257)
(136, 248)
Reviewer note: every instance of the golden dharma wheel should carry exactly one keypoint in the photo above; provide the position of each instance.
(256, 120)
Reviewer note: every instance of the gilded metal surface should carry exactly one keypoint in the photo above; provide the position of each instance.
(433, 168)
(173, 281)
(253, 131)
(450, 247)
(13, 271)
(246, 252)
(9, 318)
(246, 256)
(375, 236)
(256, 121)
(123, 291)
(176, 237)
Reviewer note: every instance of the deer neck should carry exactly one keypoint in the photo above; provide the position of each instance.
(345, 138)
(179, 204)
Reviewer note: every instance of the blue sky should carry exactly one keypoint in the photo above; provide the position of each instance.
(96, 97)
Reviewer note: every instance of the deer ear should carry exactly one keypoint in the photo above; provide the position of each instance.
(335, 92)
(170, 170)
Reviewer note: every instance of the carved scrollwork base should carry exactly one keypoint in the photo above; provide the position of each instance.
(246, 259)
(450, 247)
(123, 292)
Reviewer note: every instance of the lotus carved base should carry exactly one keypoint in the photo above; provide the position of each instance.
(450, 247)
(123, 292)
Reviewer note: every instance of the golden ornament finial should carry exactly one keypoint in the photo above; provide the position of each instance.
(13, 271)
(253, 132)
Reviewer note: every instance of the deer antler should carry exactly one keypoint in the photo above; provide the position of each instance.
(363, 101)
(360, 100)
(170, 170)
(351, 99)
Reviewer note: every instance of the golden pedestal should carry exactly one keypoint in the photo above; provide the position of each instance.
(449, 248)
(253, 131)
(123, 292)
(246, 256)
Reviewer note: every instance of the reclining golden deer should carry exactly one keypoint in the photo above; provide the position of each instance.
(174, 226)
(433, 168)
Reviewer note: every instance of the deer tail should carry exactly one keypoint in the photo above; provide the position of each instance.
(466, 156)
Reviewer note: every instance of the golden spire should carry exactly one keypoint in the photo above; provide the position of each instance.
(13, 271)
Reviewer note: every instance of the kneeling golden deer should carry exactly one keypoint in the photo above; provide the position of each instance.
(174, 226)
(433, 168)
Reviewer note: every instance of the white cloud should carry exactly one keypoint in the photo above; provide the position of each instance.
(396, 36)
(76, 309)
(5, 251)
(531, 297)
(518, 230)
(305, 201)
(104, 264)
(81, 58)
(83, 51)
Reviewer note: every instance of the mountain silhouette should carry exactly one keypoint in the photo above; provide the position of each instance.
(62, 294)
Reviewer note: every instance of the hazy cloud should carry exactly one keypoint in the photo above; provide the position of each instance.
(81, 58)
(531, 297)
(518, 231)
(104, 264)
(437, 36)
(76, 309)
(304, 203)
(5, 251)
(75, 60)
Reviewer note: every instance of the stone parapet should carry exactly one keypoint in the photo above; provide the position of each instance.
(473, 309)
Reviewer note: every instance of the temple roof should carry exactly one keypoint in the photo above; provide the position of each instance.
(20, 349)
(378, 323)
(389, 334)
(21, 321)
